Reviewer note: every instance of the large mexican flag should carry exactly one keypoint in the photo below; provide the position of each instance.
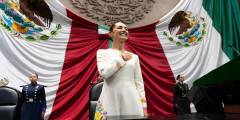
(66, 61)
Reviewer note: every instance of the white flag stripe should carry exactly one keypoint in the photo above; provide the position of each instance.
(20, 57)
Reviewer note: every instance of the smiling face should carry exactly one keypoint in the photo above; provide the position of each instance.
(119, 32)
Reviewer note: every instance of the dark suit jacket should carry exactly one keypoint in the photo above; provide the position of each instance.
(34, 102)
(181, 101)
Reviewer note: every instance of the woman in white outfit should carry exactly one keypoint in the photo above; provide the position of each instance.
(123, 89)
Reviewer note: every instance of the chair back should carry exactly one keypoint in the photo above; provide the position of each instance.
(95, 92)
(9, 103)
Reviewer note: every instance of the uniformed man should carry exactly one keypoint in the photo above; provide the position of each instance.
(34, 100)
(181, 101)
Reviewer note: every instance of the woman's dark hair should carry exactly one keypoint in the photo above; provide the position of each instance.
(111, 27)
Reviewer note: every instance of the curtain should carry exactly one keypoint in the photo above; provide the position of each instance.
(157, 75)
(80, 69)
(226, 19)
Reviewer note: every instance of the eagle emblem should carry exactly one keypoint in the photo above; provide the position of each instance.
(28, 19)
(185, 29)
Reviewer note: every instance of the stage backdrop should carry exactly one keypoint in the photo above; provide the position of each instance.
(64, 55)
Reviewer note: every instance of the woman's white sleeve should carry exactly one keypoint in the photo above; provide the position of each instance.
(139, 83)
(106, 68)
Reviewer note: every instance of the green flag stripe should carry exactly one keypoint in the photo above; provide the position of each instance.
(226, 19)
(225, 15)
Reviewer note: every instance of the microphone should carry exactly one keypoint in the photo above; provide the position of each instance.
(234, 49)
